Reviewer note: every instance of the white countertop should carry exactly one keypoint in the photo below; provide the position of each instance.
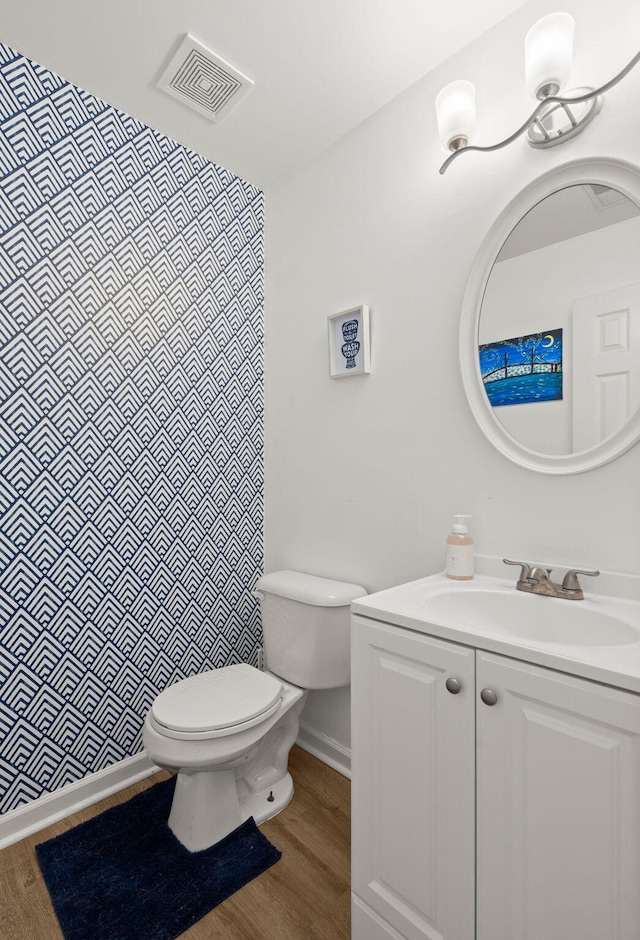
(613, 594)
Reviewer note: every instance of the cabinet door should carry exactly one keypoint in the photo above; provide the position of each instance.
(558, 824)
(413, 782)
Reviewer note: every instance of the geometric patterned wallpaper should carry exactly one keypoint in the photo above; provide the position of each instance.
(131, 438)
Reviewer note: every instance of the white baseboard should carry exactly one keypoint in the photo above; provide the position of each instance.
(326, 749)
(51, 807)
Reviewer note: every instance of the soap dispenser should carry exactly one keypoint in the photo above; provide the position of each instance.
(459, 562)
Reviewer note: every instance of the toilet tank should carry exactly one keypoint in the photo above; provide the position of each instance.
(305, 620)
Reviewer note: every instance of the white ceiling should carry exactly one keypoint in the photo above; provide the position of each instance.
(320, 67)
(568, 213)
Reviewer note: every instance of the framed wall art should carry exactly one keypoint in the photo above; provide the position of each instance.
(523, 369)
(349, 344)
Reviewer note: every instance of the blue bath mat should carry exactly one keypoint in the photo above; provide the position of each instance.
(123, 875)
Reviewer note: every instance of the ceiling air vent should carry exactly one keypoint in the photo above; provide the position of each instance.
(203, 80)
(604, 197)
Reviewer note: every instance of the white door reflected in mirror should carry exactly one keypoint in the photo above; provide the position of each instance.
(606, 364)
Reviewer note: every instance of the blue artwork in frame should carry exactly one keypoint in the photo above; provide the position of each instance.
(523, 369)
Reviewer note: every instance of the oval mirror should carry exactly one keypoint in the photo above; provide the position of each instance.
(550, 328)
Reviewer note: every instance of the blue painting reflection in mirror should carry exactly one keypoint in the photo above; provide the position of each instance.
(523, 369)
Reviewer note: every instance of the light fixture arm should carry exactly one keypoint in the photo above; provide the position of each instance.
(544, 107)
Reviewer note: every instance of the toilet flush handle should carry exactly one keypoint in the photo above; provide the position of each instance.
(260, 595)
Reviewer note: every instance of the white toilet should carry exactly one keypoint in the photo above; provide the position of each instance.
(228, 732)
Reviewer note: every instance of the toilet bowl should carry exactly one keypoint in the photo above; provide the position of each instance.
(231, 767)
(227, 732)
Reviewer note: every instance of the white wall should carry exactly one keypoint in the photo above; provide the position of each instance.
(364, 474)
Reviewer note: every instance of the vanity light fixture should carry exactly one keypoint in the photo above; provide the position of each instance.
(548, 53)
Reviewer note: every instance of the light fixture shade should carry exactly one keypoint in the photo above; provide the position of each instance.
(548, 51)
(456, 112)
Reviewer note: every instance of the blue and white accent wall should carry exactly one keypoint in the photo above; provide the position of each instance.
(131, 400)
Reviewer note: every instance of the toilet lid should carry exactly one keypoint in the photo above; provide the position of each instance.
(219, 698)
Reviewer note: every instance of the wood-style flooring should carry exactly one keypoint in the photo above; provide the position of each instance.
(304, 896)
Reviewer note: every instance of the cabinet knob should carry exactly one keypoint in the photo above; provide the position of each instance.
(453, 685)
(489, 697)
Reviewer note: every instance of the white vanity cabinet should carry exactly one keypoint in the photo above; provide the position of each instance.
(517, 820)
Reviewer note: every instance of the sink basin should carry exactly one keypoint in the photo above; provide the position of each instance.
(528, 617)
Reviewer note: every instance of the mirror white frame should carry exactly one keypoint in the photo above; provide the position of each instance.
(616, 174)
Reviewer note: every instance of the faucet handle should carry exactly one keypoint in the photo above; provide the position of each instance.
(525, 568)
(570, 581)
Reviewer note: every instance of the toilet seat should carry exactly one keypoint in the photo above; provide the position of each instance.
(217, 703)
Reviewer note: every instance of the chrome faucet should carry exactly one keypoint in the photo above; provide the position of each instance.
(536, 579)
